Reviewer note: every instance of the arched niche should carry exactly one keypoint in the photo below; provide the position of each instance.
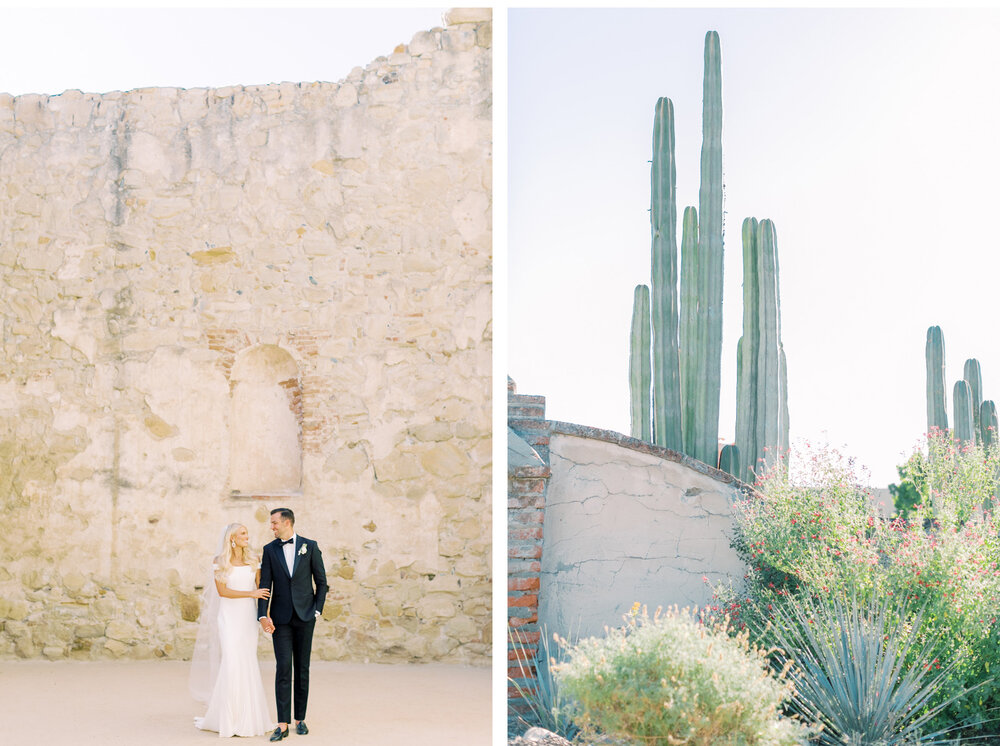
(265, 423)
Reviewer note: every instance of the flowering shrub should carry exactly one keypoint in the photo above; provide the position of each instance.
(817, 532)
(672, 679)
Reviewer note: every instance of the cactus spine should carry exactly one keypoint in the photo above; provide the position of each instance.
(639, 366)
(937, 414)
(663, 224)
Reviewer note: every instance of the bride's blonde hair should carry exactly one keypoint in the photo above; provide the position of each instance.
(231, 553)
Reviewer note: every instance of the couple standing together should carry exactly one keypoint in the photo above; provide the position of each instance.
(290, 577)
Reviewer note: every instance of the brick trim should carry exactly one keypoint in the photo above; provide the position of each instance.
(526, 490)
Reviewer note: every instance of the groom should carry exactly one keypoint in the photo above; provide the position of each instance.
(289, 567)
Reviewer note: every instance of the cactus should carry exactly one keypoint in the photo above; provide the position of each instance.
(663, 224)
(963, 412)
(937, 414)
(973, 375)
(689, 325)
(746, 355)
(686, 337)
(729, 460)
(639, 366)
(988, 425)
(762, 379)
(707, 386)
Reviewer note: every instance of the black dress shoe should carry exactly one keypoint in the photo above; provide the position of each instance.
(279, 734)
(300, 728)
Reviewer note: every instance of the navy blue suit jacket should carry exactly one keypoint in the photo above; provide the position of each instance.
(303, 592)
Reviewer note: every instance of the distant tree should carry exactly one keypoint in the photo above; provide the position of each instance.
(912, 484)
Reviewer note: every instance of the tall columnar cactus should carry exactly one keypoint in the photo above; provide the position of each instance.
(988, 425)
(663, 224)
(710, 260)
(762, 379)
(689, 326)
(963, 412)
(746, 353)
(973, 375)
(937, 413)
(686, 342)
(639, 366)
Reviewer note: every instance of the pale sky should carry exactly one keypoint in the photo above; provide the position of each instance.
(50, 50)
(870, 137)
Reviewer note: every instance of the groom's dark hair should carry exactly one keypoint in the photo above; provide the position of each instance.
(286, 514)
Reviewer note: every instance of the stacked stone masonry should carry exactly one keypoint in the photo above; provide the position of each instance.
(151, 243)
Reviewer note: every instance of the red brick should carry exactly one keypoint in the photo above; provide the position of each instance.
(525, 516)
(520, 551)
(516, 672)
(524, 533)
(522, 621)
(522, 584)
(521, 654)
(527, 601)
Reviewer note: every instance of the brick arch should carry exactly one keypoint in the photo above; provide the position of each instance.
(265, 423)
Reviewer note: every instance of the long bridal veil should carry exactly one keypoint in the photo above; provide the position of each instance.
(207, 652)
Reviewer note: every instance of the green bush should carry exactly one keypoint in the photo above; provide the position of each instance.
(816, 532)
(672, 679)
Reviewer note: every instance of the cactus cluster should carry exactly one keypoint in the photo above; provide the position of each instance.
(975, 419)
(762, 379)
(680, 410)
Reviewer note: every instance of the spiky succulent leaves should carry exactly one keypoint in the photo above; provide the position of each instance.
(937, 412)
(664, 312)
(851, 673)
(537, 688)
(639, 368)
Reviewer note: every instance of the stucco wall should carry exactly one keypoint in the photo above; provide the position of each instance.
(626, 521)
(155, 241)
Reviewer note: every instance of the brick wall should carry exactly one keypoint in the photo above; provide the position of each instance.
(526, 488)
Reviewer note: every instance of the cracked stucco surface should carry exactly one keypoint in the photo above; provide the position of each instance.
(623, 526)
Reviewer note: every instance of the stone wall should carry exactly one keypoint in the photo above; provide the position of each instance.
(217, 302)
(626, 522)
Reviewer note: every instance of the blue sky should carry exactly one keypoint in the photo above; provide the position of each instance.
(870, 137)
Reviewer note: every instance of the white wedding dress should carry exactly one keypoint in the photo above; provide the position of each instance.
(237, 706)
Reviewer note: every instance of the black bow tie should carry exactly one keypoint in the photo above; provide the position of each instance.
(287, 541)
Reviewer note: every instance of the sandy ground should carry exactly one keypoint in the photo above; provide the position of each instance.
(147, 703)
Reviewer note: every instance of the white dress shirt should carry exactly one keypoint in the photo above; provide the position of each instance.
(289, 550)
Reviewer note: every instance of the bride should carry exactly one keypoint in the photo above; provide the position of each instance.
(224, 670)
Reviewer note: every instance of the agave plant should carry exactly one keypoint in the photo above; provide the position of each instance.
(546, 708)
(851, 672)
